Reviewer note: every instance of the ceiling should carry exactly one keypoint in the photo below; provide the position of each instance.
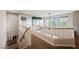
(43, 13)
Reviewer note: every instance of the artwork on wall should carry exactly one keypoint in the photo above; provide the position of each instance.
(23, 20)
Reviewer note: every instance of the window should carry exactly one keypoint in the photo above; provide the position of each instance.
(59, 22)
(37, 21)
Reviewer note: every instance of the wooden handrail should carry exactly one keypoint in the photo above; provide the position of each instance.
(24, 34)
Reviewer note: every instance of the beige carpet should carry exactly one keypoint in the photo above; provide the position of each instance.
(38, 43)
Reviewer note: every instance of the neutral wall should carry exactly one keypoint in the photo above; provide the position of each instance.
(2, 29)
(12, 24)
(76, 21)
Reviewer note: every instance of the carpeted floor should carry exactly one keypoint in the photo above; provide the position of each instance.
(37, 43)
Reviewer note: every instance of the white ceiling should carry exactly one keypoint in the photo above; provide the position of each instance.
(43, 13)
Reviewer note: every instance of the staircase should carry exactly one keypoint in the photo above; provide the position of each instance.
(24, 37)
(24, 34)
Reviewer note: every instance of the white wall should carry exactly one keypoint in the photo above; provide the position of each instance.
(29, 19)
(27, 41)
(12, 24)
(2, 29)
